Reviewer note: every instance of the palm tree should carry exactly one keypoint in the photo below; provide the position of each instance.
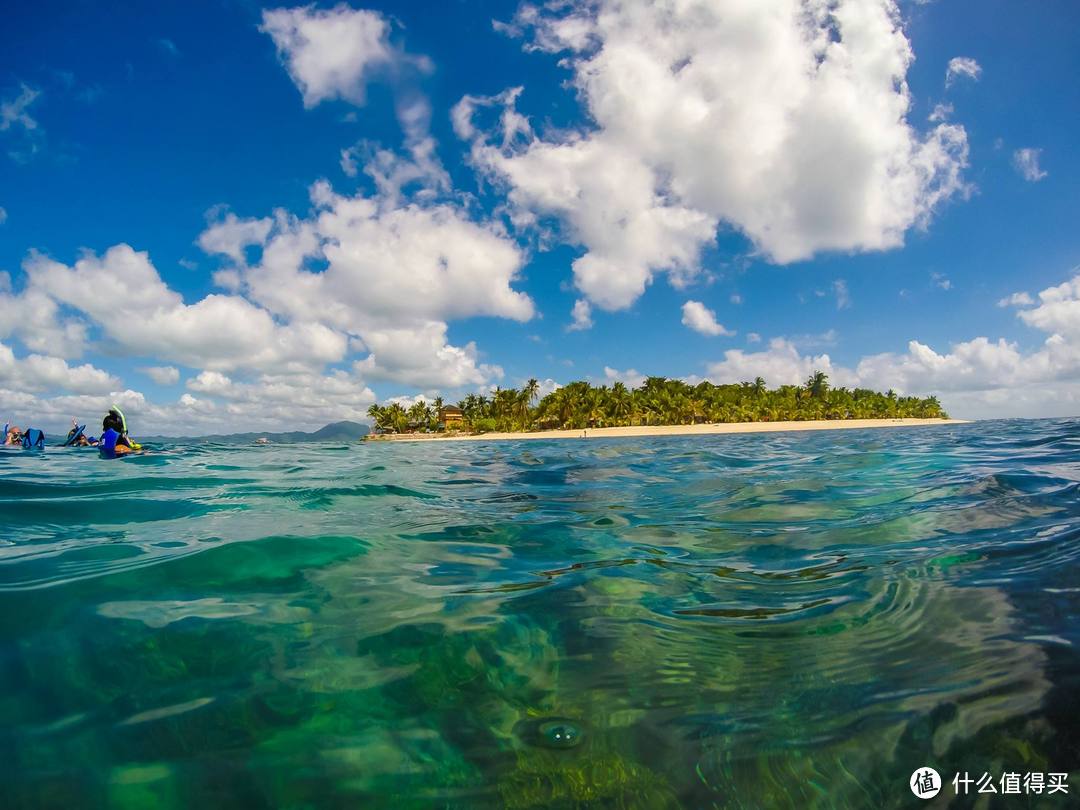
(621, 404)
(817, 384)
(418, 414)
(378, 416)
(532, 389)
(660, 401)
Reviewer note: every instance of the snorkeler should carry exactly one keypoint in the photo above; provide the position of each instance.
(77, 437)
(13, 435)
(114, 420)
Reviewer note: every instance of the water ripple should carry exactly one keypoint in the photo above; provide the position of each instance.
(739, 621)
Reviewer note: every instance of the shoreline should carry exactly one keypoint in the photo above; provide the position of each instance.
(717, 428)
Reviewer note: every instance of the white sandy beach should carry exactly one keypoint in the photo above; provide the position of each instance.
(673, 430)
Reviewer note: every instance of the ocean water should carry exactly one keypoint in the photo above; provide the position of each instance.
(777, 620)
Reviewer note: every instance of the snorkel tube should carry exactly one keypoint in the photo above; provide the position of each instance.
(123, 420)
(123, 443)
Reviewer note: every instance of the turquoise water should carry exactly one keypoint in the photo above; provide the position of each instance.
(776, 620)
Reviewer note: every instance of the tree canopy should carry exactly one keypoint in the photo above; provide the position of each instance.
(658, 401)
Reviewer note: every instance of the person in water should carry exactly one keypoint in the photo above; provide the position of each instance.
(114, 420)
(14, 435)
(81, 441)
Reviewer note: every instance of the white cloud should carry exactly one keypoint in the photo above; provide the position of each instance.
(975, 378)
(1021, 299)
(270, 402)
(378, 275)
(962, 67)
(547, 386)
(736, 298)
(780, 364)
(696, 316)
(941, 280)
(231, 235)
(14, 112)
(41, 373)
(941, 112)
(753, 337)
(123, 294)
(394, 273)
(330, 53)
(786, 120)
(163, 375)
(632, 378)
(386, 264)
(210, 382)
(581, 315)
(843, 297)
(36, 319)
(1026, 161)
(421, 357)
(1058, 311)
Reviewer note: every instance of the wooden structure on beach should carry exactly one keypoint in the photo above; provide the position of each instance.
(451, 417)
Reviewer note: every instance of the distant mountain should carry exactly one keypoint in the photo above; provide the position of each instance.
(335, 432)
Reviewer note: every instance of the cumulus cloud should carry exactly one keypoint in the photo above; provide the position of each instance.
(392, 273)
(632, 378)
(303, 401)
(962, 67)
(371, 281)
(786, 120)
(421, 357)
(547, 386)
(122, 293)
(230, 235)
(1017, 299)
(1026, 162)
(163, 375)
(780, 364)
(330, 53)
(1058, 310)
(696, 316)
(37, 320)
(581, 316)
(385, 263)
(976, 377)
(42, 373)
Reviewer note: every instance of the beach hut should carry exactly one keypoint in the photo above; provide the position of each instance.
(451, 417)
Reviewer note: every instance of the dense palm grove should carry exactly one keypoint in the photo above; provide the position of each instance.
(659, 401)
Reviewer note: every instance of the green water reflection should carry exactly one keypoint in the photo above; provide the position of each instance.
(525, 629)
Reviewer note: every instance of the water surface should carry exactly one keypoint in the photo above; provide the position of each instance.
(774, 620)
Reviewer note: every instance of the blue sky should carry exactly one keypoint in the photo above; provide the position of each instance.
(190, 222)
